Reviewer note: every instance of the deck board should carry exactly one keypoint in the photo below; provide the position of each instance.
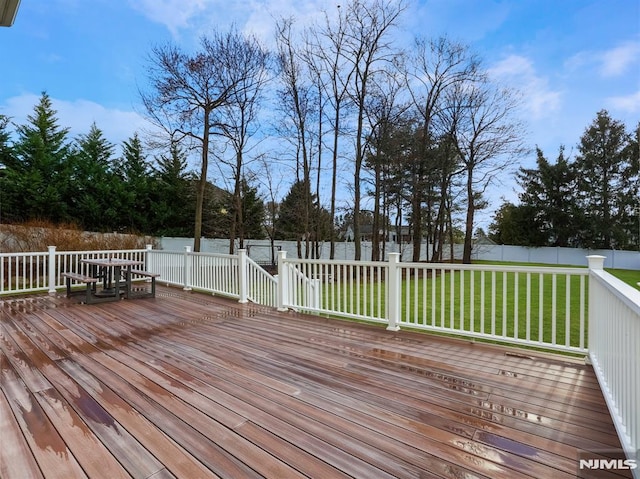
(191, 385)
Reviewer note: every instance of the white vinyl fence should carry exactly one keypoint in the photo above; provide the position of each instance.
(261, 252)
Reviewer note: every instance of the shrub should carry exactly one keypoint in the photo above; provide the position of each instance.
(39, 235)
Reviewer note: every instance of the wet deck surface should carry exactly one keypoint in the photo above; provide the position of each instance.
(193, 386)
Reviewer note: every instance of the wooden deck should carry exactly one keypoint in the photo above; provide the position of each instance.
(194, 386)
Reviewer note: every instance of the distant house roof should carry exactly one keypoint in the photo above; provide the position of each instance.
(8, 11)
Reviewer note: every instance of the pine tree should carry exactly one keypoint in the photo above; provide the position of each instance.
(601, 168)
(134, 171)
(173, 195)
(548, 192)
(39, 175)
(94, 183)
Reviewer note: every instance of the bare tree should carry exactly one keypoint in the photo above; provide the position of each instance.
(272, 183)
(437, 67)
(185, 91)
(297, 102)
(325, 45)
(236, 120)
(487, 136)
(368, 48)
(385, 114)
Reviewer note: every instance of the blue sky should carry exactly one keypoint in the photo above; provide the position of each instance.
(571, 58)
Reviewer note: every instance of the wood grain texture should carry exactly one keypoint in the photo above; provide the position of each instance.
(193, 386)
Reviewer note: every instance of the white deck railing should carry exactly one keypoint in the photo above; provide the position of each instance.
(533, 306)
(236, 276)
(574, 310)
(41, 271)
(614, 349)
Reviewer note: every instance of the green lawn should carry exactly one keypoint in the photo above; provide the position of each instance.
(534, 306)
(629, 276)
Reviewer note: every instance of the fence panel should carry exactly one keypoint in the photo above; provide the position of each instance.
(170, 265)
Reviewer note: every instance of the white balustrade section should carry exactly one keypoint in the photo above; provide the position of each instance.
(24, 272)
(344, 288)
(614, 350)
(236, 276)
(533, 306)
(262, 287)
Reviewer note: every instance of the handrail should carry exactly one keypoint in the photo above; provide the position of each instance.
(614, 350)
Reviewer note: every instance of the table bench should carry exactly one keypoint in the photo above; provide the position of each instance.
(139, 292)
(80, 278)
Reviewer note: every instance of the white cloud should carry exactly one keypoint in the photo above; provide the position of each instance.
(260, 20)
(618, 60)
(174, 14)
(250, 16)
(518, 72)
(78, 115)
(628, 103)
(610, 63)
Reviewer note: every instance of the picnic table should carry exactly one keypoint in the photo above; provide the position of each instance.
(115, 275)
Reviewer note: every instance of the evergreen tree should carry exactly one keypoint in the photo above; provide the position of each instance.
(517, 225)
(94, 183)
(289, 225)
(38, 175)
(134, 172)
(602, 170)
(6, 151)
(549, 196)
(253, 212)
(173, 195)
(6, 158)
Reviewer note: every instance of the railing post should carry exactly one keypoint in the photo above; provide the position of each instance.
(596, 263)
(148, 248)
(283, 280)
(394, 291)
(316, 285)
(52, 270)
(243, 277)
(187, 269)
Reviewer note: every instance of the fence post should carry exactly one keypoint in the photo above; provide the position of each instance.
(187, 269)
(243, 277)
(52, 270)
(283, 280)
(394, 291)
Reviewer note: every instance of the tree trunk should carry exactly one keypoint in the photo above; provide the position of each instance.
(468, 233)
(197, 234)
